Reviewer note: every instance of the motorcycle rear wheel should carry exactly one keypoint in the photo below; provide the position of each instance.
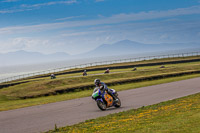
(118, 103)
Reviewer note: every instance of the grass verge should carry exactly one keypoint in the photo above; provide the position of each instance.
(63, 85)
(94, 69)
(8, 103)
(179, 115)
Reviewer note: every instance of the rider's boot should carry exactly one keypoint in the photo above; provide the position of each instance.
(114, 98)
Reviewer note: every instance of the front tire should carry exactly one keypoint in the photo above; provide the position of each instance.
(101, 105)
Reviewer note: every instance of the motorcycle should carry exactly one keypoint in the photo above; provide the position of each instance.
(107, 71)
(104, 100)
(84, 74)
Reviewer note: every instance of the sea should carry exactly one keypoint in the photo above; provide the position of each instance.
(9, 72)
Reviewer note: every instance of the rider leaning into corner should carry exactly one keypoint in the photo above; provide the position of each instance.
(103, 87)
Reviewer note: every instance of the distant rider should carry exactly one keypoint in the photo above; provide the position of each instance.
(103, 87)
(84, 73)
(107, 71)
(53, 76)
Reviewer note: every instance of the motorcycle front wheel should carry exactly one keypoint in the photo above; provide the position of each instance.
(101, 105)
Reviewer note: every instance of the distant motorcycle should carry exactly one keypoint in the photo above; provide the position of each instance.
(84, 74)
(53, 76)
(104, 100)
(107, 71)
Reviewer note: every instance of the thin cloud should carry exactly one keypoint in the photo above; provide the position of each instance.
(25, 7)
(49, 4)
(68, 18)
(13, 11)
(155, 14)
(99, 0)
(5, 11)
(9, 0)
(115, 19)
(82, 33)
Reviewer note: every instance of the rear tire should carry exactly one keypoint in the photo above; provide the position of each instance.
(101, 105)
(118, 103)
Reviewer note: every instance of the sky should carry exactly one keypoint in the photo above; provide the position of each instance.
(78, 26)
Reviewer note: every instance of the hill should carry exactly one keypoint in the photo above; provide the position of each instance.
(130, 47)
(24, 57)
(124, 47)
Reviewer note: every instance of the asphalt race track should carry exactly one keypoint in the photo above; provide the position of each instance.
(44, 117)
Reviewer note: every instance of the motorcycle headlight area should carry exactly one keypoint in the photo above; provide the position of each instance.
(95, 94)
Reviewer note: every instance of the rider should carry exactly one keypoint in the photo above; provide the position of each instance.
(104, 88)
(84, 73)
(107, 70)
(53, 76)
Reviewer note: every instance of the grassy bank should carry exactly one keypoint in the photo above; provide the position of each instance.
(7, 103)
(43, 87)
(115, 66)
(179, 115)
(119, 79)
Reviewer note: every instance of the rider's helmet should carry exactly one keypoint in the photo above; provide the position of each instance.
(97, 81)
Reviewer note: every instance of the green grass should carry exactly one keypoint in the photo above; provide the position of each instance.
(10, 96)
(33, 78)
(7, 103)
(49, 86)
(180, 115)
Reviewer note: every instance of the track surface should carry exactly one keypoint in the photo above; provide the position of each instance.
(44, 117)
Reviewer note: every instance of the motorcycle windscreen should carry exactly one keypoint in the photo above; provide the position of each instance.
(95, 94)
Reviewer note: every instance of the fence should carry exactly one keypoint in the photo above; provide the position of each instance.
(99, 63)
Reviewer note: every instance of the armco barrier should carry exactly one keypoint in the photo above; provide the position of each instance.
(99, 63)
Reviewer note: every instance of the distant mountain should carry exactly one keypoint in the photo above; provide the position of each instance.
(124, 47)
(24, 57)
(130, 47)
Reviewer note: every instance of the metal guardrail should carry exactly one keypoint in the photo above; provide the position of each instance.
(97, 64)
